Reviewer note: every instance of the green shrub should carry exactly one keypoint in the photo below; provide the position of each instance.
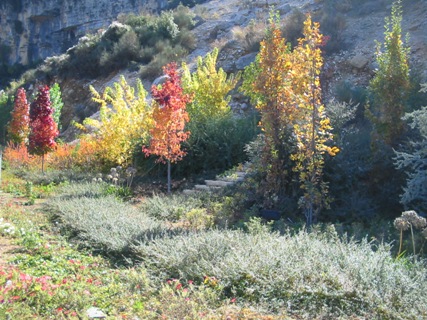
(307, 274)
(81, 190)
(170, 208)
(189, 3)
(217, 144)
(151, 39)
(51, 176)
(198, 218)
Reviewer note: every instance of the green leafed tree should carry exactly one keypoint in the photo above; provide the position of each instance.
(414, 161)
(217, 138)
(56, 103)
(6, 107)
(391, 83)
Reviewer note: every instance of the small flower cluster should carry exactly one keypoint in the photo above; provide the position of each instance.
(118, 176)
(6, 228)
(411, 219)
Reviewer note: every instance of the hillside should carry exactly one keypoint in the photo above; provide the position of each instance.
(234, 26)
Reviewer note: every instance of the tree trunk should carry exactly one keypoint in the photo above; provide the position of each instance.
(42, 163)
(1, 155)
(169, 176)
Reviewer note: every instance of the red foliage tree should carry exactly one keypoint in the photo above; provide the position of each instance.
(43, 127)
(170, 117)
(19, 126)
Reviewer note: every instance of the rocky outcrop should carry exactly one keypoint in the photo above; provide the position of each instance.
(31, 30)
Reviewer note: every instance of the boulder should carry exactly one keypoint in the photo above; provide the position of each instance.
(358, 61)
(246, 60)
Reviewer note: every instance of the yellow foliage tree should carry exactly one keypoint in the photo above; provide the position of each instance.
(268, 83)
(210, 87)
(312, 128)
(125, 118)
(285, 85)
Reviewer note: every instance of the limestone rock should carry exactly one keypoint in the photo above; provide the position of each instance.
(35, 30)
(246, 60)
(359, 61)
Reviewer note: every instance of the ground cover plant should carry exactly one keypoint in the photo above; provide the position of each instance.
(205, 274)
(47, 277)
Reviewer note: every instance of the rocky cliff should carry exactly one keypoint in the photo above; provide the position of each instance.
(31, 30)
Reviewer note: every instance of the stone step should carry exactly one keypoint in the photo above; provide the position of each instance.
(201, 187)
(229, 179)
(189, 191)
(218, 183)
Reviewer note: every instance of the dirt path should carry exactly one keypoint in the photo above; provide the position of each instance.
(7, 247)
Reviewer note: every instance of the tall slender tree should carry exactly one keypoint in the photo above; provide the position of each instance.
(285, 85)
(19, 125)
(56, 103)
(312, 128)
(170, 117)
(268, 83)
(43, 127)
(391, 84)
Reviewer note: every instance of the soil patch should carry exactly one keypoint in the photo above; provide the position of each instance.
(7, 249)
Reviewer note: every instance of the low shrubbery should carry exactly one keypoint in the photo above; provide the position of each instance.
(107, 224)
(200, 273)
(311, 274)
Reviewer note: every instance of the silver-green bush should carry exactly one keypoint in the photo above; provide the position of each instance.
(311, 274)
(105, 223)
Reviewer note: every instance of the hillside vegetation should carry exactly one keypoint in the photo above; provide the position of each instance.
(255, 194)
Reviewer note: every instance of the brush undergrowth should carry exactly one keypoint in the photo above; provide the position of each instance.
(301, 274)
(189, 273)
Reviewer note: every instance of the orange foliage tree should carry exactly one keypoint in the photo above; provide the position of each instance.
(268, 83)
(285, 85)
(170, 117)
(19, 126)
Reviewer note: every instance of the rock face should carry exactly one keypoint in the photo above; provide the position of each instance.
(31, 30)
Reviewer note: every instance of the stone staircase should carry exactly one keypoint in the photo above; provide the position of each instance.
(219, 183)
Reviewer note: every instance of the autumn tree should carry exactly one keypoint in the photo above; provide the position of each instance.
(217, 138)
(285, 86)
(57, 103)
(312, 128)
(268, 83)
(43, 128)
(391, 83)
(170, 117)
(19, 125)
(125, 118)
(210, 87)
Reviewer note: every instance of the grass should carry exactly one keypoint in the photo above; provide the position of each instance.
(191, 273)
